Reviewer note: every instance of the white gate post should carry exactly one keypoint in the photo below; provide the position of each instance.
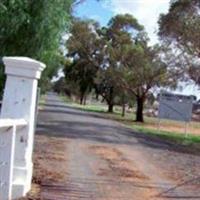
(19, 101)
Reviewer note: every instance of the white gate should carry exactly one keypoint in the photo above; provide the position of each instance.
(17, 126)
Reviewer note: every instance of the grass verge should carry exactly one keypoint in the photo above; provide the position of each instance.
(183, 139)
(41, 101)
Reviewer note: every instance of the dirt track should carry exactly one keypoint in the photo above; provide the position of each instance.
(89, 157)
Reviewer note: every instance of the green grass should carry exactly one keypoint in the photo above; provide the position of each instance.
(91, 108)
(66, 99)
(170, 136)
(42, 101)
(88, 108)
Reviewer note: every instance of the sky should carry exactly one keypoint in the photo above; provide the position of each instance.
(146, 11)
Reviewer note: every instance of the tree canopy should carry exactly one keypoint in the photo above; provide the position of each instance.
(82, 46)
(34, 29)
(181, 27)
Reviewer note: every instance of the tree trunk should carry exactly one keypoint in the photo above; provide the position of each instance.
(110, 100)
(123, 106)
(123, 109)
(85, 100)
(81, 99)
(96, 93)
(139, 111)
(110, 108)
(97, 97)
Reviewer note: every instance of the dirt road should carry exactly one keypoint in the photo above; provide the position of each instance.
(107, 161)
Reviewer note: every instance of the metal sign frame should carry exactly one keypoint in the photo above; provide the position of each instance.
(175, 107)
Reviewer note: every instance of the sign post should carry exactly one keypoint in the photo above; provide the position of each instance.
(175, 107)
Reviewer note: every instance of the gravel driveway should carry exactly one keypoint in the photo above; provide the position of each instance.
(106, 160)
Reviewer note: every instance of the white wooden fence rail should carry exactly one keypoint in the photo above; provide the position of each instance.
(9, 176)
(17, 126)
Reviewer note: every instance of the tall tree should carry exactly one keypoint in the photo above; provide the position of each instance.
(133, 66)
(120, 32)
(142, 70)
(83, 49)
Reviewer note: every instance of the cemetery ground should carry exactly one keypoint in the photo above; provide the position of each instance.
(87, 155)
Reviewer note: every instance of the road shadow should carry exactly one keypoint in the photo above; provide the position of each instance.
(94, 127)
(67, 122)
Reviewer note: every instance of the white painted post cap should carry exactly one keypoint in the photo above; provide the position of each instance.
(23, 67)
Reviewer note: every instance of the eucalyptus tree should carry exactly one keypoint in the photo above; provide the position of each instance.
(83, 48)
(130, 65)
(119, 33)
(180, 27)
(133, 67)
(142, 70)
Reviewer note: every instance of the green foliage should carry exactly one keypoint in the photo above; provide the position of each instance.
(117, 38)
(124, 23)
(82, 47)
(67, 88)
(37, 29)
(181, 27)
(34, 28)
(143, 68)
(133, 65)
(182, 24)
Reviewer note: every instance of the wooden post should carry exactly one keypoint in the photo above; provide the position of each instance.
(159, 119)
(186, 129)
(159, 125)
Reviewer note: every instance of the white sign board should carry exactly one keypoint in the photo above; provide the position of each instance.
(175, 107)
